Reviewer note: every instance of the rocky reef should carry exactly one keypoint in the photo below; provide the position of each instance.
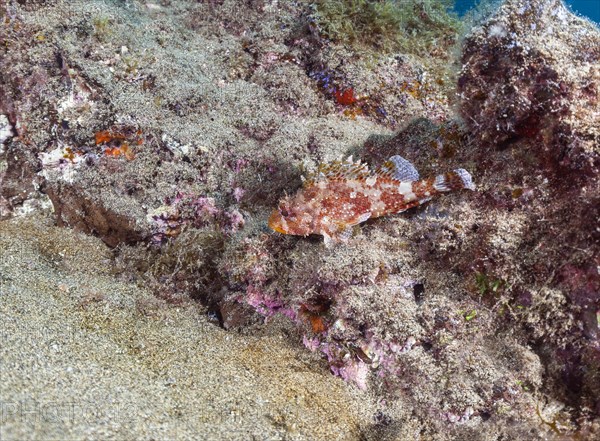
(529, 90)
(169, 130)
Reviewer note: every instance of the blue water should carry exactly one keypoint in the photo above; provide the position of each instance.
(588, 8)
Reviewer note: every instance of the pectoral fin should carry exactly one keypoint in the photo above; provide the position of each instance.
(328, 240)
(344, 233)
(341, 234)
(363, 218)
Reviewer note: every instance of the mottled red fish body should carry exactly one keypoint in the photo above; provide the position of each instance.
(342, 194)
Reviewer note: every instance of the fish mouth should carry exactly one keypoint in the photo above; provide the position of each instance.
(275, 222)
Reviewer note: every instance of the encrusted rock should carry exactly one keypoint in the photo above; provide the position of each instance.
(532, 72)
(530, 95)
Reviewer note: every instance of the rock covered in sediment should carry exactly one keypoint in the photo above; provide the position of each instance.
(529, 90)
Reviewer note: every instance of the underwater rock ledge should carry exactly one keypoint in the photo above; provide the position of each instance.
(474, 317)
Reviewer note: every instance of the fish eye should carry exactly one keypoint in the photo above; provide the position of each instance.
(284, 212)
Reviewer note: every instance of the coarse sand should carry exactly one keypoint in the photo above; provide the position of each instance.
(85, 356)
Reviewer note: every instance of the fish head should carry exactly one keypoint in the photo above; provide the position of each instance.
(288, 219)
(277, 222)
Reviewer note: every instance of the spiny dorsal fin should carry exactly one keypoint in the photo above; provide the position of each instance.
(341, 169)
(399, 169)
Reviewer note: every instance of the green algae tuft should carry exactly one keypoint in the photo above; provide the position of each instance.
(413, 26)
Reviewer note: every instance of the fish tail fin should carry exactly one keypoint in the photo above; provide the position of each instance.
(454, 180)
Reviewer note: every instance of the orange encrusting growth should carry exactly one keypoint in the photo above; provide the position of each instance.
(105, 136)
(118, 143)
(340, 195)
(123, 149)
(346, 97)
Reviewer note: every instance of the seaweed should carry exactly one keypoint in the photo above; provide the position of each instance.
(413, 26)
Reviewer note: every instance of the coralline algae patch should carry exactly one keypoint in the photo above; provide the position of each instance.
(189, 210)
(61, 161)
(6, 131)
